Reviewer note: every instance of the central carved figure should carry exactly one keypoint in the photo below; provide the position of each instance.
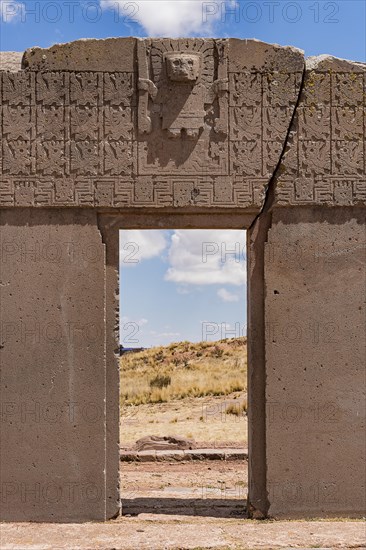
(184, 92)
(183, 104)
(182, 67)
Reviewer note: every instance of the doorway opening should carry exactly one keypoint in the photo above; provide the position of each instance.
(183, 372)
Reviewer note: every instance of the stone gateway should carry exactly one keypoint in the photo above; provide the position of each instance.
(102, 135)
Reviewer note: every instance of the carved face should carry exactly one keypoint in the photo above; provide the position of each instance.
(182, 67)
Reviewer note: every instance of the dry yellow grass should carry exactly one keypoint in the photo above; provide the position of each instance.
(204, 419)
(182, 370)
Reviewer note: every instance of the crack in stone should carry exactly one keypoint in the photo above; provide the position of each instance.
(269, 192)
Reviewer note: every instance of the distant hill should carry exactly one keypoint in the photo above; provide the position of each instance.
(184, 369)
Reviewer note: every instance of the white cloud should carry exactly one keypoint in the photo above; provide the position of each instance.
(136, 246)
(10, 10)
(202, 257)
(169, 17)
(141, 322)
(227, 296)
(196, 257)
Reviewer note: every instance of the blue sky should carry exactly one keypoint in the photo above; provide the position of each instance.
(182, 285)
(337, 28)
(185, 285)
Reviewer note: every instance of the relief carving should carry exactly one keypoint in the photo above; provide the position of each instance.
(183, 90)
(324, 162)
(182, 122)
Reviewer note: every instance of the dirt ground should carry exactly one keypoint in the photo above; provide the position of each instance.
(164, 532)
(209, 488)
(176, 506)
(204, 419)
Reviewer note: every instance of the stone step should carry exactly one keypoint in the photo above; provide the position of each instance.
(180, 456)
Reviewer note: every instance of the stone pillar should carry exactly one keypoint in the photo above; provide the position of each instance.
(307, 308)
(59, 459)
(315, 362)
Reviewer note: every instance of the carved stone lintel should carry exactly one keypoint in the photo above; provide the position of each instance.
(197, 110)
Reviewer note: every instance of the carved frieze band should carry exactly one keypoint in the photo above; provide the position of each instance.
(126, 192)
(325, 159)
(75, 139)
(336, 190)
(66, 136)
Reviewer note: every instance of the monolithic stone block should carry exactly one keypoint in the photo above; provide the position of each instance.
(188, 133)
(315, 343)
(306, 335)
(55, 451)
(185, 124)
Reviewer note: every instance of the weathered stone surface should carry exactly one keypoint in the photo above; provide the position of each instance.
(109, 55)
(315, 345)
(55, 450)
(187, 133)
(165, 443)
(254, 55)
(306, 276)
(10, 61)
(115, 123)
(325, 162)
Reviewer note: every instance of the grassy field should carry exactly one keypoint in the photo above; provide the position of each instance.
(182, 370)
(192, 390)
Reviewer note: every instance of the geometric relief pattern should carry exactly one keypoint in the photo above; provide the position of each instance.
(344, 191)
(146, 137)
(325, 160)
(63, 124)
(261, 108)
(123, 192)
